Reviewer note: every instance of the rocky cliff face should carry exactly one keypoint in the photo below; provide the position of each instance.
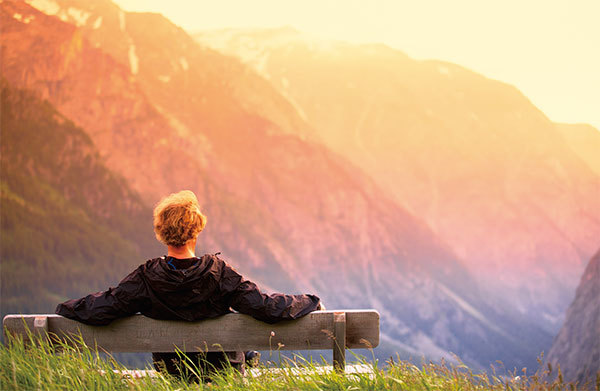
(576, 348)
(168, 114)
(472, 156)
(85, 84)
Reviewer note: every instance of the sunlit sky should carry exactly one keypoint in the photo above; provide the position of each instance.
(549, 49)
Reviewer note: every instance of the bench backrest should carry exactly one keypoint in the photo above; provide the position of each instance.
(232, 332)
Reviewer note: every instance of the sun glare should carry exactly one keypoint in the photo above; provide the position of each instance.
(547, 49)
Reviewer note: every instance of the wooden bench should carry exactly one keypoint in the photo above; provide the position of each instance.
(334, 330)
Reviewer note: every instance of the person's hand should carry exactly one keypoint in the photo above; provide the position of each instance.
(321, 307)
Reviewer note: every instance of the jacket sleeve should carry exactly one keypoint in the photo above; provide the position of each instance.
(245, 297)
(101, 308)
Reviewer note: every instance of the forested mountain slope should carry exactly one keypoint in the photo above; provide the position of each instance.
(69, 225)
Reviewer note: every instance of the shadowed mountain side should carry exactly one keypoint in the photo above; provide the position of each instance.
(288, 212)
(69, 225)
(472, 156)
(576, 348)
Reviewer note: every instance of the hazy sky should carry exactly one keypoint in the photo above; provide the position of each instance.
(549, 49)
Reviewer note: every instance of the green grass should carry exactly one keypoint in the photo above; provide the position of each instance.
(39, 365)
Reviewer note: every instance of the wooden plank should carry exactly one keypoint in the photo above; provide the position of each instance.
(339, 337)
(232, 332)
(362, 329)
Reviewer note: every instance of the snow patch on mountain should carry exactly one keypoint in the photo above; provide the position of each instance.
(98, 23)
(286, 83)
(133, 60)
(251, 53)
(296, 106)
(122, 20)
(72, 15)
(48, 7)
(164, 78)
(79, 17)
(23, 19)
(184, 64)
(261, 64)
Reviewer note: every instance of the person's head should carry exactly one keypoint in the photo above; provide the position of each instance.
(177, 219)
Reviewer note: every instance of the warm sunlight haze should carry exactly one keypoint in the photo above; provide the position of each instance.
(547, 49)
(427, 171)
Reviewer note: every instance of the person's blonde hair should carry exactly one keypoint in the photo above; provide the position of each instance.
(177, 218)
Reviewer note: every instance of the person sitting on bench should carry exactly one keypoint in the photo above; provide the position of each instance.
(181, 286)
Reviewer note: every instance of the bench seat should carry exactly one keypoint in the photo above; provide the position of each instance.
(334, 330)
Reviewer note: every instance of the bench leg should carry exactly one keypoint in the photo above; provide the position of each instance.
(339, 341)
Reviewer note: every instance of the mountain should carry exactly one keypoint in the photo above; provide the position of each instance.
(585, 141)
(68, 224)
(471, 156)
(167, 113)
(576, 348)
(90, 87)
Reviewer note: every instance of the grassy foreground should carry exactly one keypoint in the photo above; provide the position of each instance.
(41, 366)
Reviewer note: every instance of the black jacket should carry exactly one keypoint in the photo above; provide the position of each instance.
(191, 289)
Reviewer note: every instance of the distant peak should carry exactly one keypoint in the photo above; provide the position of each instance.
(286, 30)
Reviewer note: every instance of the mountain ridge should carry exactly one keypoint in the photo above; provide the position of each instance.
(455, 148)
